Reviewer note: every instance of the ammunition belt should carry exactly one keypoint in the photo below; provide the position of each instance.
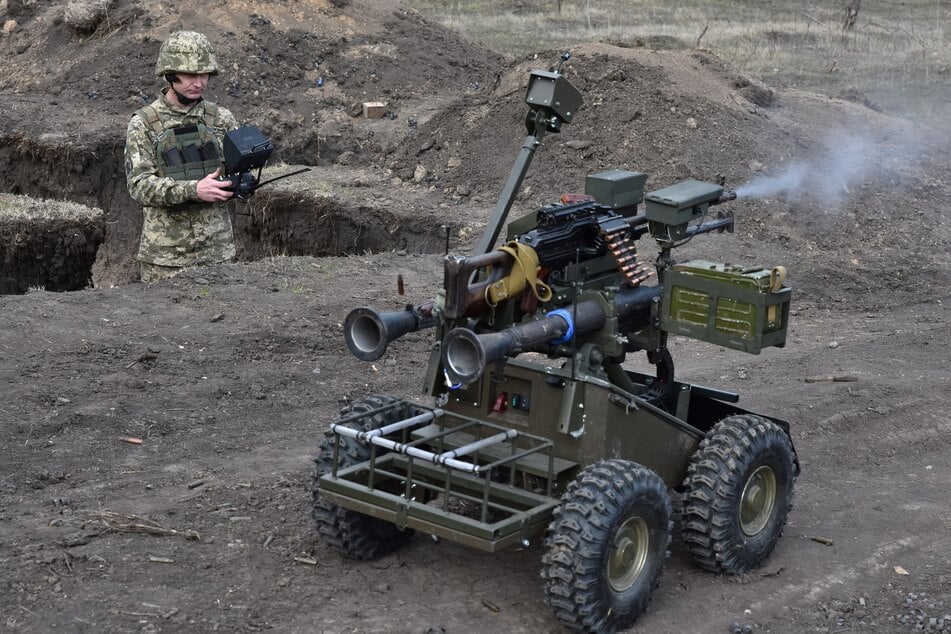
(617, 236)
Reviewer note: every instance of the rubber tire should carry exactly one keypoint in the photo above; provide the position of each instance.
(603, 498)
(348, 532)
(734, 450)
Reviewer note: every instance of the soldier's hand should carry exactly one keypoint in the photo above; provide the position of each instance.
(211, 190)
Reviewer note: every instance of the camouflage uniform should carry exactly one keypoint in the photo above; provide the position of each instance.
(178, 229)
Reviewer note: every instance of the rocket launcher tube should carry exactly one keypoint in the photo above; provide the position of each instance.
(465, 354)
(368, 332)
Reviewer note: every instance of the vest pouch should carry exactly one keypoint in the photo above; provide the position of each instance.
(208, 151)
(173, 158)
(190, 152)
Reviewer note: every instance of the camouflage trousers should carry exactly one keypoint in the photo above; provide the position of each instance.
(155, 272)
(150, 272)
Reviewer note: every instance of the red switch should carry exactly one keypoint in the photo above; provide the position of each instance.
(501, 403)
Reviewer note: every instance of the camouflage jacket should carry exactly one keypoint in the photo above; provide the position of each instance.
(178, 229)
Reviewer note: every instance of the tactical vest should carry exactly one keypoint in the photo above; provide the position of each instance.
(184, 153)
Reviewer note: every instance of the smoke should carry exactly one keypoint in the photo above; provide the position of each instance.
(845, 162)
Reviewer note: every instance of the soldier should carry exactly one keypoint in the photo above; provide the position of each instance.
(173, 161)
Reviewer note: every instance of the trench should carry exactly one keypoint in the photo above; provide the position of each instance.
(90, 173)
(283, 223)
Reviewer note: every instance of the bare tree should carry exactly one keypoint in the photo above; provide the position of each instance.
(851, 14)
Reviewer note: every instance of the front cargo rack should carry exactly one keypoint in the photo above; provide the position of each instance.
(472, 481)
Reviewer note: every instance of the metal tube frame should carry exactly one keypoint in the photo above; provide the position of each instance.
(447, 459)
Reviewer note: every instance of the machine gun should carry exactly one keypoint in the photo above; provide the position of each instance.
(538, 423)
(246, 149)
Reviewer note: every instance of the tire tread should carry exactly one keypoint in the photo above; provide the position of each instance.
(725, 456)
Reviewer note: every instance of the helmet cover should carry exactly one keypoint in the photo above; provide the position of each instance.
(186, 52)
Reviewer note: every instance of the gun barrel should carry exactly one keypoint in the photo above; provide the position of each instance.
(726, 196)
(724, 222)
(466, 354)
(368, 332)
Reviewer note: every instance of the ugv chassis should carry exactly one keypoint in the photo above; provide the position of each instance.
(531, 430)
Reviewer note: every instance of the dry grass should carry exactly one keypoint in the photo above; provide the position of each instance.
(14, 207)
(896, 58)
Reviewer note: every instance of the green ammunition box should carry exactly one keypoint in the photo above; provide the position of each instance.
(744, 308)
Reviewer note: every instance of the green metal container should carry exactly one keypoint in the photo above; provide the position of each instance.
(744, 308)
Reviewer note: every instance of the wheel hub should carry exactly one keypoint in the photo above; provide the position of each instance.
(628, 554)
(757, 501)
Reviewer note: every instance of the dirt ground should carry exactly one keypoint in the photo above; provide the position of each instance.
(229, 374)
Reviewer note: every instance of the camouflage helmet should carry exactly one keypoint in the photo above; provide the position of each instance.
(186, 52)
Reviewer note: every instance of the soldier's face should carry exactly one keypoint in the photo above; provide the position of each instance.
(190, 85)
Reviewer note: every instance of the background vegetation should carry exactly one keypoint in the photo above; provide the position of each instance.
(895, 55)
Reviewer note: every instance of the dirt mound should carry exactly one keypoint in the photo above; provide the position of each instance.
(847, 187)
(139, 416)
(290, 66)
